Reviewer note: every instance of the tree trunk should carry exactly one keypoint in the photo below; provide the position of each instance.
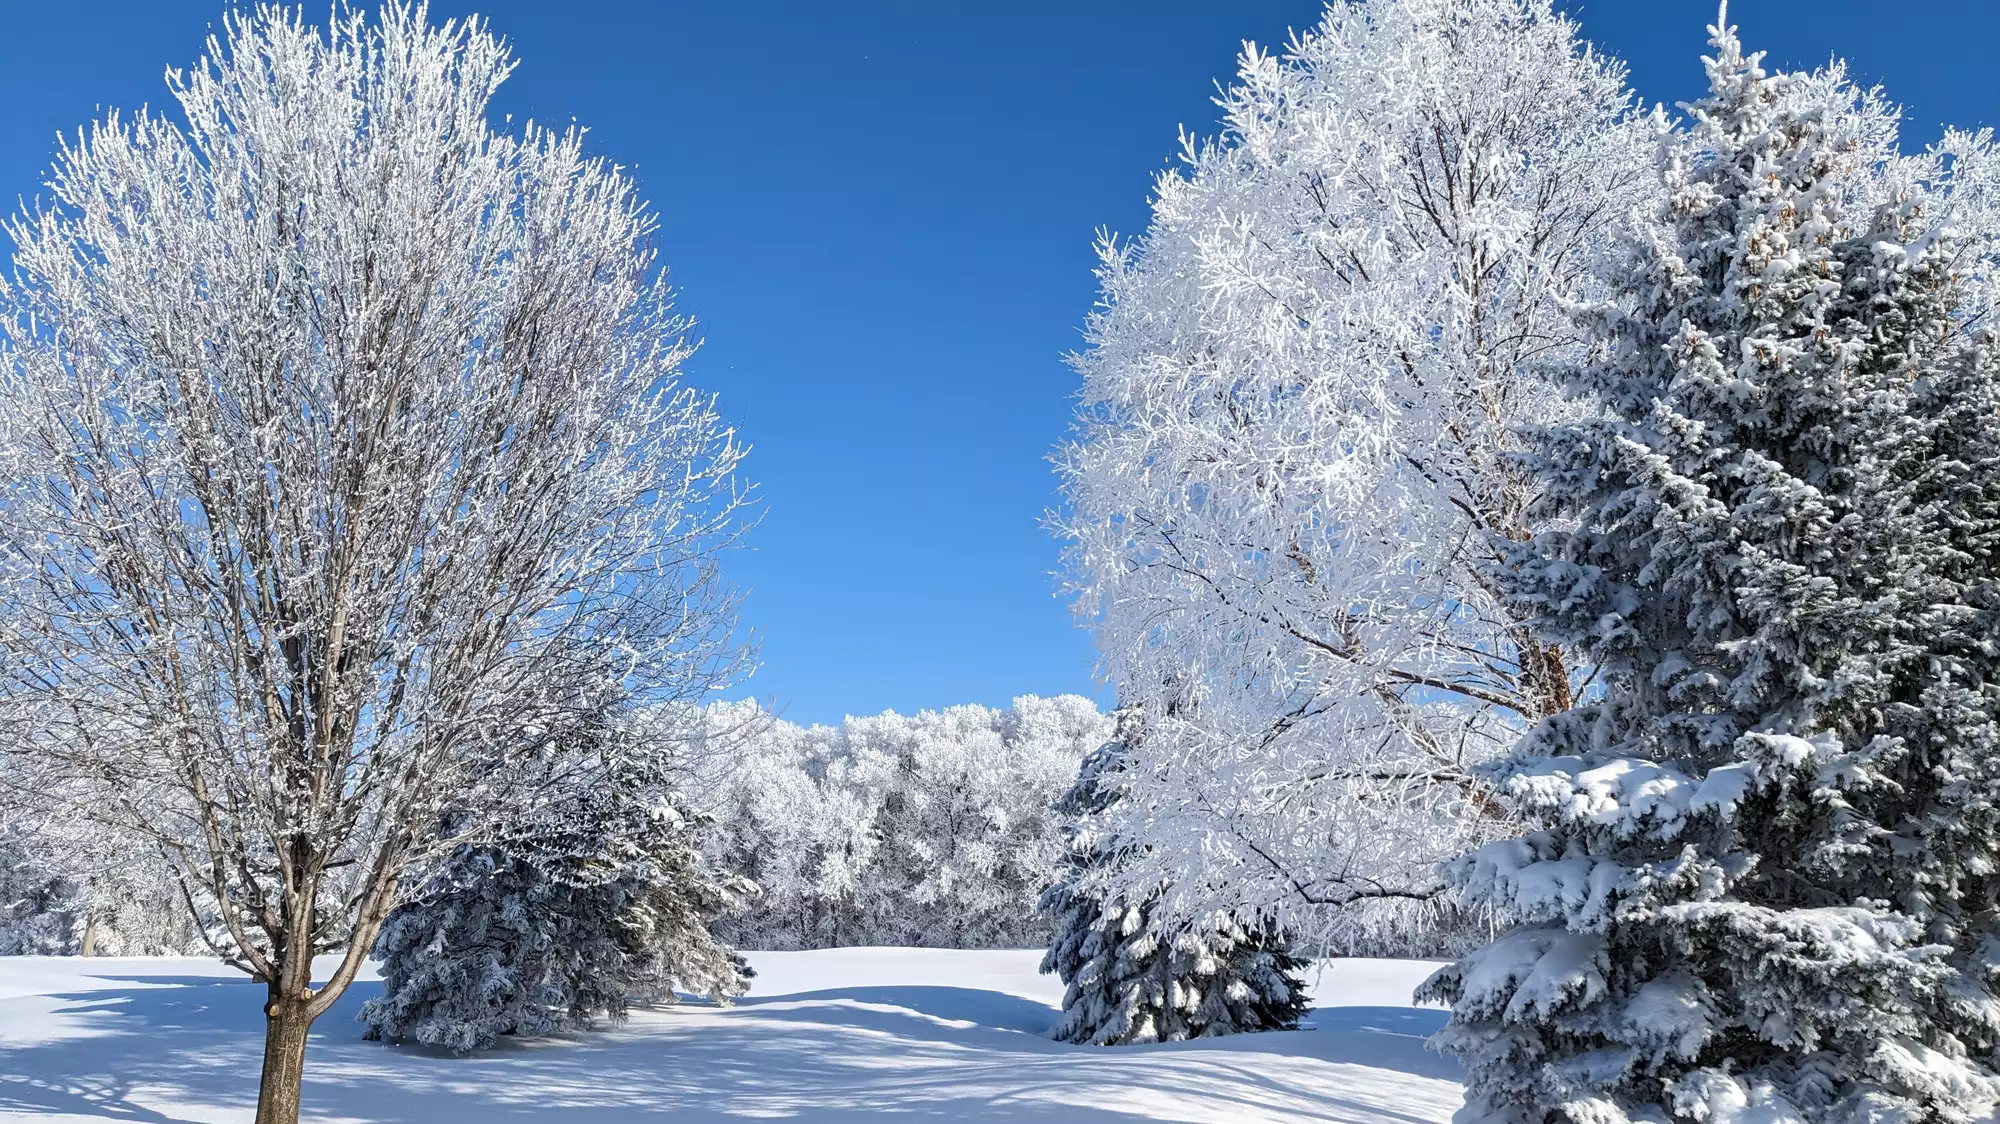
(90, 934)
(286, 1022)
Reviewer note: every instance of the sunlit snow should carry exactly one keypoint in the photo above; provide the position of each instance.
(835, 1035)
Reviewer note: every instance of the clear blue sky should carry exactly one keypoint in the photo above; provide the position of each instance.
(881, 211)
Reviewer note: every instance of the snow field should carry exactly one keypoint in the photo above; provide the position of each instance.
(835, 1035)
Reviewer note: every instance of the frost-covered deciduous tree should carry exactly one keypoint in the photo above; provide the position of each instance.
(343, 465)
(931, 829)
(1759, 882)
(71, 887)
(597, 900)
(965, 837)
(44, 899)
(1292, 457)
(789, 817)
(1125, 979)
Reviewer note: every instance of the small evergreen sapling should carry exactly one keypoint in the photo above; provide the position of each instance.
(513, 938)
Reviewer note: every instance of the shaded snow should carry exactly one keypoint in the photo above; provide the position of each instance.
(838, 1035)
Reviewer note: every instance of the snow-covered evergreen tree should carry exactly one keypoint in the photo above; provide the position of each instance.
(1125, 979)
(600, 899)
(1759, 883)
(513, 938)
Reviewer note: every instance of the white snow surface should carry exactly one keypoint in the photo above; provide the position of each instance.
(849, 1034)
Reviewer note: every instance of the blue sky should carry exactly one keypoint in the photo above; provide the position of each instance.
(881, 212)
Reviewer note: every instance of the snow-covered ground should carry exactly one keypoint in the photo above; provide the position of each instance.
(840, 1035)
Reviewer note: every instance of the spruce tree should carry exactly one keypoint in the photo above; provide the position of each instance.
(1128, 977)
(551, 924)
(510, 938)
(1756, 883)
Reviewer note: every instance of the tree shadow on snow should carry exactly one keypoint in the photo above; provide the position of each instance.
(164, 1032)
(954, 1008)
(838, 1055)
(1390, 1038)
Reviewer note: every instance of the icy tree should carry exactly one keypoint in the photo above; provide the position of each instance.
(71, 887)
(928, 829)
(1759, 880)
(653, 831)
(787, 818)
(43, 910)
(961, 800)
(599, 900)
(1127, 981)
(343, 465)
(1292, 457)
